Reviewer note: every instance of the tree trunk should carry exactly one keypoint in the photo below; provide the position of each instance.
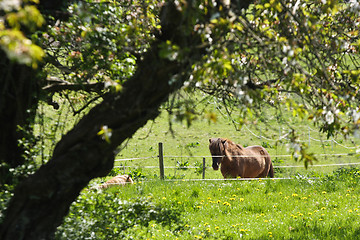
(41, 201)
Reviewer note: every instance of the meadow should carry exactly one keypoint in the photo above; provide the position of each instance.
(186, 146)
(321, 202)
(323, 208)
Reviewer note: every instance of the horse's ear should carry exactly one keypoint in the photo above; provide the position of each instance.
(210, 140)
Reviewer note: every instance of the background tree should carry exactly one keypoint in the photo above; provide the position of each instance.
(19, 87)
(300, 54)
(127, 58)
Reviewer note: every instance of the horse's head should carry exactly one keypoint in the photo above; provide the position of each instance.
(217, 150)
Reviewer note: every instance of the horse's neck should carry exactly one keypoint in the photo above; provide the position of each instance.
(233, 151)
(230, 154)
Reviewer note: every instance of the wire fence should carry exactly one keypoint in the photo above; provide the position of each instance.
(209, 157)
(204, 166)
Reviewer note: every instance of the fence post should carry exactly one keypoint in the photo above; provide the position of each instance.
(161, 161)
(203, 169)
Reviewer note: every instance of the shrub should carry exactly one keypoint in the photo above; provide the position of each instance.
(5, 194)
(103, 216)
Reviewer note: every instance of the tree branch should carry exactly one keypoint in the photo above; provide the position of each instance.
(58, 85)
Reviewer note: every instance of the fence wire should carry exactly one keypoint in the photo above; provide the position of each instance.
(210, 157)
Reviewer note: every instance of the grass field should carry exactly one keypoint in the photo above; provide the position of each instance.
(315, 203)
(185, 146)
(324, 208)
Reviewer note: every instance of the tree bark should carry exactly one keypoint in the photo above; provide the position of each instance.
(42, 200)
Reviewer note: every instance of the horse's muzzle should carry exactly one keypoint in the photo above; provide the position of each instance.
(215, 166)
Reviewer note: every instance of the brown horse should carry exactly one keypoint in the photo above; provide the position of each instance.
(119, 180)
(237, 161)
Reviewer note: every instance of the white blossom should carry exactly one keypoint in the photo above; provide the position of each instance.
(286, 48)
(8, 5)
(354, 5)
(356, 115)
(357, 135)
(329, 117)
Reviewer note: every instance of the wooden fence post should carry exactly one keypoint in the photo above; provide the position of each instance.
(161, 161)
(203, 170)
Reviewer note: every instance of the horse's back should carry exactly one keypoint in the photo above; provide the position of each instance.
(261, 151)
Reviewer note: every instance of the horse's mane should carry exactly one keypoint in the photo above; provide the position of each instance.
(216, 143)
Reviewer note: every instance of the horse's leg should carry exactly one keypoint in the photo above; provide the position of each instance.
(269, 167)
(271, 171)
(226, 176)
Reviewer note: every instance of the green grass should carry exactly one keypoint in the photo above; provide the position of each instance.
(185, 145)
(324, 208)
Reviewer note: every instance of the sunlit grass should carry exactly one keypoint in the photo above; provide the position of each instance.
(183, 143)
(324, 208)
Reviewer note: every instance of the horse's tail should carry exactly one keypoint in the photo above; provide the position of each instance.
(267, 160)
(271, 171)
